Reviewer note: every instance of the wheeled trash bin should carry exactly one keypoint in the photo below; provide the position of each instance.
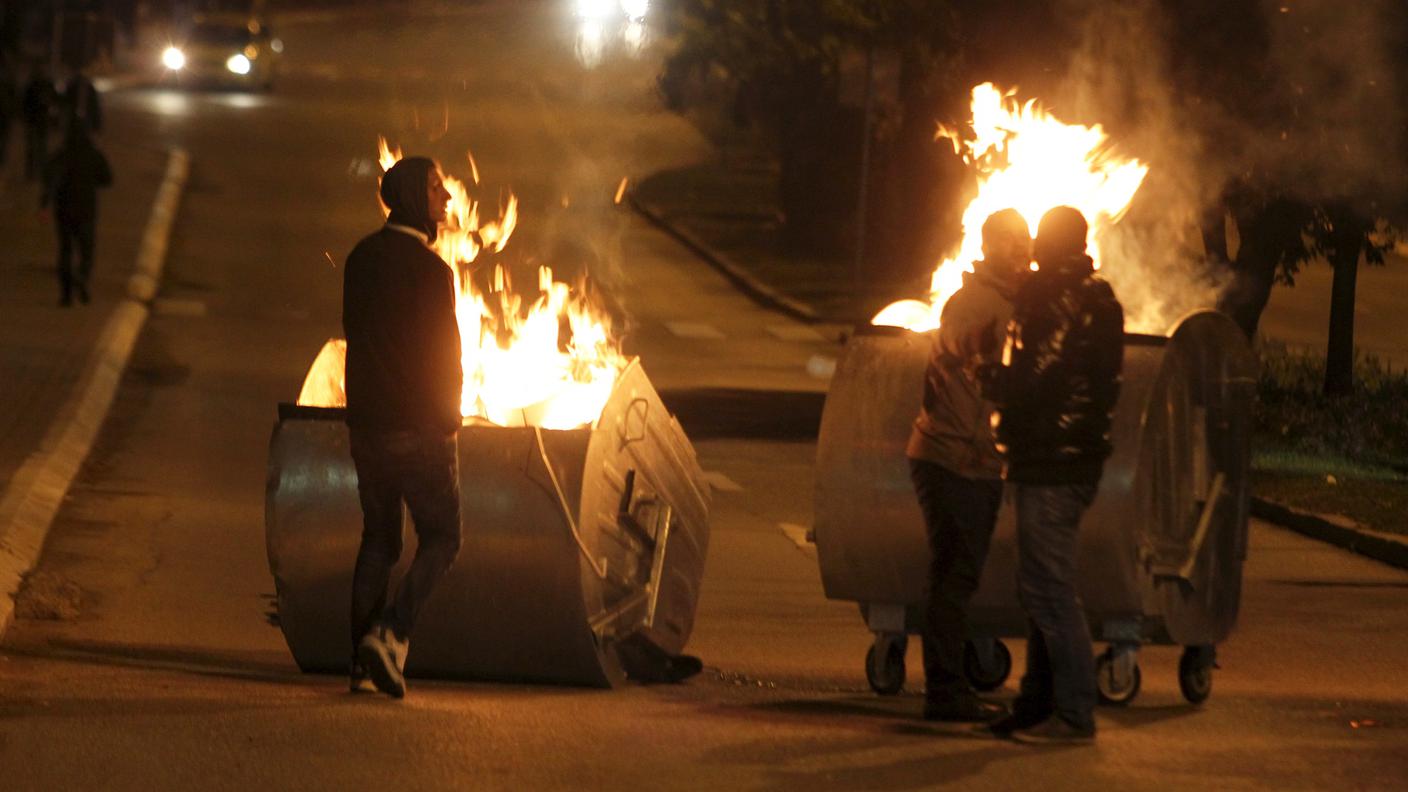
(1161, 548)
(583, 549)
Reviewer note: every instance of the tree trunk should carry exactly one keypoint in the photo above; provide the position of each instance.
(1339, 353)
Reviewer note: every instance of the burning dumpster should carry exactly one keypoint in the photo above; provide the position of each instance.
(585, 512)
(577, 542)
(1161, 547)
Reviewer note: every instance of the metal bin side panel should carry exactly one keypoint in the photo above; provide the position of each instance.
(511, 606)
(312, 531)
(637, 438)
(870, 538)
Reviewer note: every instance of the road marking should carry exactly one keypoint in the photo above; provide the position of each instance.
(176, 307)
(794, 332)
(721, 483)
(696, 330)
(800, 536)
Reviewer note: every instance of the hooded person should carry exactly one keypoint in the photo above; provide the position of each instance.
(955, 466)
(403, 386)
(1055, 397)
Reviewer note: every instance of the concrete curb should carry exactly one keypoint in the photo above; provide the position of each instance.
(756, 290)
(36, 492)
(1377, 546)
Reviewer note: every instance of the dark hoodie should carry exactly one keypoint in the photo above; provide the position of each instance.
(398, 312)
(72, 179)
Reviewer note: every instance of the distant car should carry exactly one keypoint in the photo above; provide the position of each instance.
(224, 50)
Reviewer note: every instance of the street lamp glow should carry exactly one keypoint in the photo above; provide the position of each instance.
(173, 59)
(238, 64)
(635, 9)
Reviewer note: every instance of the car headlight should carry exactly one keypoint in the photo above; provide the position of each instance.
(238, 64)
(173, 59)
(635, 9)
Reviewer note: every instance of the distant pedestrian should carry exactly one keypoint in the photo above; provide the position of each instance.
(71, 183)
(403, 412)
(955, 465)
(82, 104)
(37, 108)
(1055, 397)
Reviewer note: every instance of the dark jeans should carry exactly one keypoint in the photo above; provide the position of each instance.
(1060, 673)
(36, 155)
(80, 235)
(959, 514)
(422, 470)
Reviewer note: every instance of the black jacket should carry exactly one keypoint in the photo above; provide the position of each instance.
(72, 179)
(1057, 391)
(403, 342)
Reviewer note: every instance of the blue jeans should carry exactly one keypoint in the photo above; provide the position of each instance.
(1060, 675)
(422, 470)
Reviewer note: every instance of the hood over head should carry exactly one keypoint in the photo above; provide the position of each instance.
(405, 191)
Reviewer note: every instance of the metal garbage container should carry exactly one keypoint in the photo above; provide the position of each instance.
(577, 543)
(1161, 548)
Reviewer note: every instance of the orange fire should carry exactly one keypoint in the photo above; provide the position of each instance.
(518, 369)
(1025, 159)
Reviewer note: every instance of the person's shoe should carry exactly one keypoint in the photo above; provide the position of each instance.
(382, 654)
(1019, 719)
(1055, 730)
(83, 293)
(962, 709)
(357, 679)
(65, 301)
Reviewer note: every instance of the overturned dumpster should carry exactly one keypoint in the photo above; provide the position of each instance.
(583, 548)
(1161, 548)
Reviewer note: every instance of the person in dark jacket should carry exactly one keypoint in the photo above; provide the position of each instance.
(71, 183)
(404, 380)
(82, 103)
(1055, 396)
(37, 108)
(954, 463)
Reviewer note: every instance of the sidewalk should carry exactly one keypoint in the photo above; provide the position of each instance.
(44, 349)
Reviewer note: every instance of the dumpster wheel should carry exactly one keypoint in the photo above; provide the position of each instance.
(1195, 673)
(986, 667)
(884, 663)
(1117, 677)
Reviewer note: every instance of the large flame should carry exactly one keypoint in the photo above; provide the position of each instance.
(519, 370)
(1025, 159)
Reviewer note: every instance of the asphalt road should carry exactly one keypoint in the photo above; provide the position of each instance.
(173, 677)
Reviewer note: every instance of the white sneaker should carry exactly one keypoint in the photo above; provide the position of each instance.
(382, 655)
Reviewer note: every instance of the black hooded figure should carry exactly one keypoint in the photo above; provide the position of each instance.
(403, 412)
(72, 179)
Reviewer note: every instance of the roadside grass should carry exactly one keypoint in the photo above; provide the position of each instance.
(1344, 456)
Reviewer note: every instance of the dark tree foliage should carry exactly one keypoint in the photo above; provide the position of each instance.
(785, 62)
(1287, 205)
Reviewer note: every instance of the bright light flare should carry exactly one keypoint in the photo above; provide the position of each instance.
(238, 64)
(635, 9)
(1028, 160)
(173, 59)
(595, 9)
